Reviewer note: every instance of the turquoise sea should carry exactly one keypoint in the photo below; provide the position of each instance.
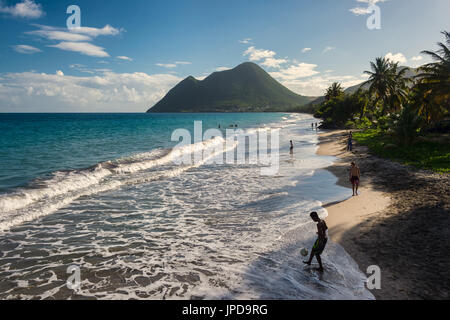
(102, 192)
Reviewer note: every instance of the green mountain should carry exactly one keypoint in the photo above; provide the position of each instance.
(246, 88)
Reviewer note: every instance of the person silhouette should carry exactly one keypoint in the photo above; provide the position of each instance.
(321, 241)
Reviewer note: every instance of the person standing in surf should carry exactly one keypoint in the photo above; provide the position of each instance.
(355, 175)
(321, 241)
(292, 147)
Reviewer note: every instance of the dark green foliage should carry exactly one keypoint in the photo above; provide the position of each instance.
(309, 108)
(407, 126)
(431, 153)
(334, 91)
(433, 84)
(337, 111)
(246, 88)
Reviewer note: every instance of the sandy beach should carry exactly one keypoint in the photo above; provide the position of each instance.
(400, 221)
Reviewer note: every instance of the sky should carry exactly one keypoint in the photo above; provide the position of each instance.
(126, 55)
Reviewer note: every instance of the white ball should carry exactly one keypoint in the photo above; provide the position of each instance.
(304, 252)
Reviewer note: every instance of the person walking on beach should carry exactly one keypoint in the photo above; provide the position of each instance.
(355, 175)
(350, 142)
(321, 241)
(292, 147)
(316, 126)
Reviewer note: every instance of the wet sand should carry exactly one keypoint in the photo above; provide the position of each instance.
(400, 222)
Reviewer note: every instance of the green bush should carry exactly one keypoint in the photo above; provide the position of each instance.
(364, 123)
(407, 126)
(350, 124)
(338, 111)
(385, 122)
(422, 154)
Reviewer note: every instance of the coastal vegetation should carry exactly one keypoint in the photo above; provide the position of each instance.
(398, 116)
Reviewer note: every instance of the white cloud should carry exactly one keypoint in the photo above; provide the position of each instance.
(304, 50)
(103, 70)
(399, 57)
(125, 58)
(202, 77)
(173, 65)
(84, 69)
(316, 86)
(76, 34)
(87, 71)
(77, 39)
(273, 63)
(95, 32)
(359, 11)
(59, 35)
(419, 60)
(25, 9)
(81, 68)
(166, 65)
(76, 65)
(268, 57)
(85, 48)
(371, 1)
(107, 92)
(327, 49)
(258, 54)
(295, 71)
(26, 49)
(222, 69)
(305, 79)
(246, 41)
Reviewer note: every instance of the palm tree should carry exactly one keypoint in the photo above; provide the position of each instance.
(425, 106)
(379, 79)
(363, 98)
(406, 128)
(434, 79)
(387, 84)
(334, 91)
(398, 87)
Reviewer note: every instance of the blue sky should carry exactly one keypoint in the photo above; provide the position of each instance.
(128, 54)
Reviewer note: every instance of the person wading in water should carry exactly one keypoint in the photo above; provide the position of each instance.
(321, 241)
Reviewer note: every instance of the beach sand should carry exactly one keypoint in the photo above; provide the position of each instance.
(399, 222)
